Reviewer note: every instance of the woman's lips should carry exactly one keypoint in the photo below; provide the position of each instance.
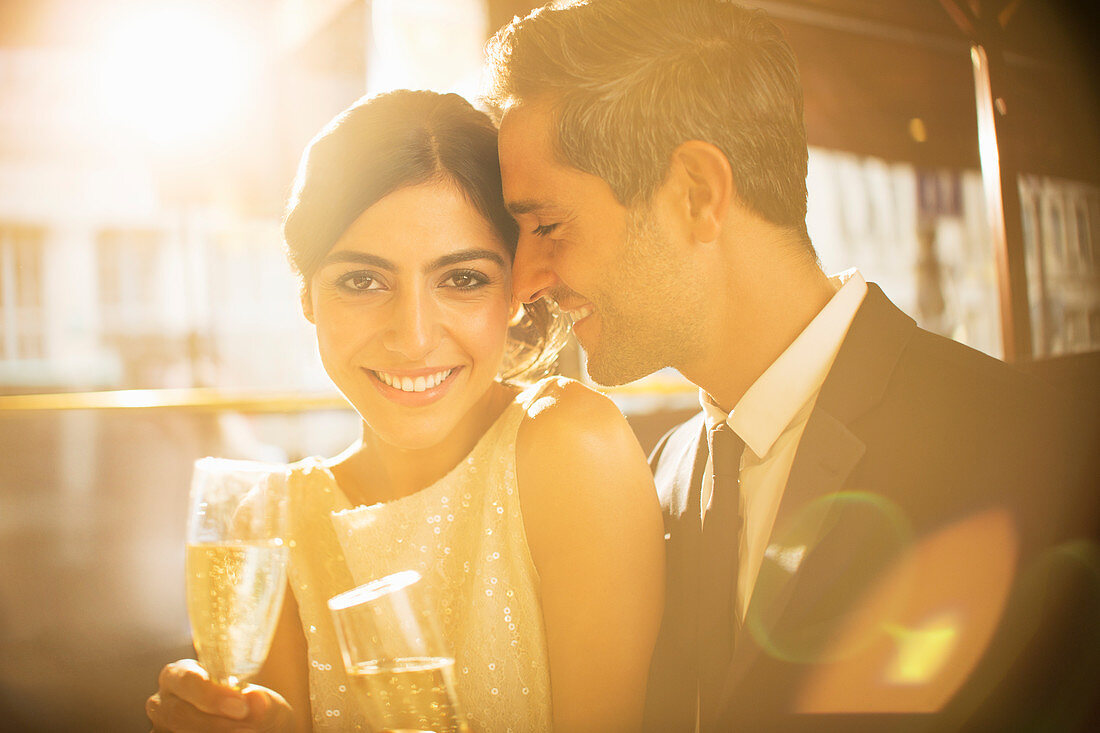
(416, 387)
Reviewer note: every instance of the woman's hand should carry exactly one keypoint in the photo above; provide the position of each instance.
(187, 700)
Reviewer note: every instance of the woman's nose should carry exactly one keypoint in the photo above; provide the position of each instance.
(533, 273)
(414, 329)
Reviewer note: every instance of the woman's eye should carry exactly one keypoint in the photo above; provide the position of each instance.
(465, 280)
(359, 282)
(543, 230)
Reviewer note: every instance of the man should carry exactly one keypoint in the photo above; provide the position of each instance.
(861, 507)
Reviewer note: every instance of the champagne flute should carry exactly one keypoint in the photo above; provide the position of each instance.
(236, 564)
(397, 666)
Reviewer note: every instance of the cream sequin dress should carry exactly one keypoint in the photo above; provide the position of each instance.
(464, 534)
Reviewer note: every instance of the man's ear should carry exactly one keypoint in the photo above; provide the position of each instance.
(706, 187)
(307, 303)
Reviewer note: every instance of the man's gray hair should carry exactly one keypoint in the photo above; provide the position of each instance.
(630, 80)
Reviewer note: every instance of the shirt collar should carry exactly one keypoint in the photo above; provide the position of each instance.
(786, 387)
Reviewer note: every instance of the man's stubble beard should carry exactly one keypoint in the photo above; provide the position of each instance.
(647, 321)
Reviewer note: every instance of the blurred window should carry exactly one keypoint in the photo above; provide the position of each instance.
(1061, 222)
(128, 279)
(919, 233)
(21, 284)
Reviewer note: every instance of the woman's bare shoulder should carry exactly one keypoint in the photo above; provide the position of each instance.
(580, 470)
(564, 411)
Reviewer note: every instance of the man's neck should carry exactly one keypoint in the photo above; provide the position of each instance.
(769, 301)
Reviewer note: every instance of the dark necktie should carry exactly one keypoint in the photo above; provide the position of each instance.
(718, 621)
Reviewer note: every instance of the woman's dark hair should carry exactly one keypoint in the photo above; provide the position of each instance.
(405, 138)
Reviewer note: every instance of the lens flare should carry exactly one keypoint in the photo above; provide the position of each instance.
(922, 650)
(920, 628)
(865, 529)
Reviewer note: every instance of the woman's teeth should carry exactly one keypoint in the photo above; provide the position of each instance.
(414, 384)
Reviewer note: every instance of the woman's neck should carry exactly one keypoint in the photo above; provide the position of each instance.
(371, 470)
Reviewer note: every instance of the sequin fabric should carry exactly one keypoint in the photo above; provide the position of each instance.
(317, 572)
(465, 535)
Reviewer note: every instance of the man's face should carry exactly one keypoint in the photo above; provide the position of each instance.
(626, 282)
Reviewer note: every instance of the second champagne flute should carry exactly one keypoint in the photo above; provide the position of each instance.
(398, 667)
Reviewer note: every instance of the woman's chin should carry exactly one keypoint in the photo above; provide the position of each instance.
(412, 439)
(417, 427)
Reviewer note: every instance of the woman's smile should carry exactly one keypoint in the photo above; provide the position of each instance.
(414, 388)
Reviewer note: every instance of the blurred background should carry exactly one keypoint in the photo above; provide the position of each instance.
(148, 317)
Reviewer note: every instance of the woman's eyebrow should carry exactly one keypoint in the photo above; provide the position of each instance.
(359, 258)
(465, 255)
(365, 258)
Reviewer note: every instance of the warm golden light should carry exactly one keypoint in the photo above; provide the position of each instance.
(427, 44)
(174, 75)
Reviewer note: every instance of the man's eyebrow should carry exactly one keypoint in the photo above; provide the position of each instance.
(516, 208)
(525, 206)
(465, 255)
(358, 258)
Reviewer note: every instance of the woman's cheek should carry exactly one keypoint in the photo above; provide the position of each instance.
(482, 328)
(341, 332)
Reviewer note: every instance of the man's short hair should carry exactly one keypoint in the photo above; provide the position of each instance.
(630, 80)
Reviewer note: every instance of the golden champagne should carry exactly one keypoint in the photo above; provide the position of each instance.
(234, 595)
(411, 694)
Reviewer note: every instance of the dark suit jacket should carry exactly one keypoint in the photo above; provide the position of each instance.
(917, 447)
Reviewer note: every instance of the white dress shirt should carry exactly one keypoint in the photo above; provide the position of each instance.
(770, 418)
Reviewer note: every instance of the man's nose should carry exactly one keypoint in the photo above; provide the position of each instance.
(414, 329)
(533, 274)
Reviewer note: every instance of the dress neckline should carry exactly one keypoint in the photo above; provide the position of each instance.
(343, 505)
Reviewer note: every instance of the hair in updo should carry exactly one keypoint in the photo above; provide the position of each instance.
(406, 138)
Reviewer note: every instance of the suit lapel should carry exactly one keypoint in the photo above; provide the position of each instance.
(831, 453)
(829, 449)
(828, 452)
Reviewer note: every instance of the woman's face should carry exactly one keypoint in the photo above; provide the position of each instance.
(412, 307)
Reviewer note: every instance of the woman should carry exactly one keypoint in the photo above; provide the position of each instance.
(531, 513)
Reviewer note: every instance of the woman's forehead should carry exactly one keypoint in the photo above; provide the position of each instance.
(420, 223)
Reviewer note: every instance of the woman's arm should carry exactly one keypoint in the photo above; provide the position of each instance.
(594, 528)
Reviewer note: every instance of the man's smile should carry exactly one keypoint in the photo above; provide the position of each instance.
(579, 314)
